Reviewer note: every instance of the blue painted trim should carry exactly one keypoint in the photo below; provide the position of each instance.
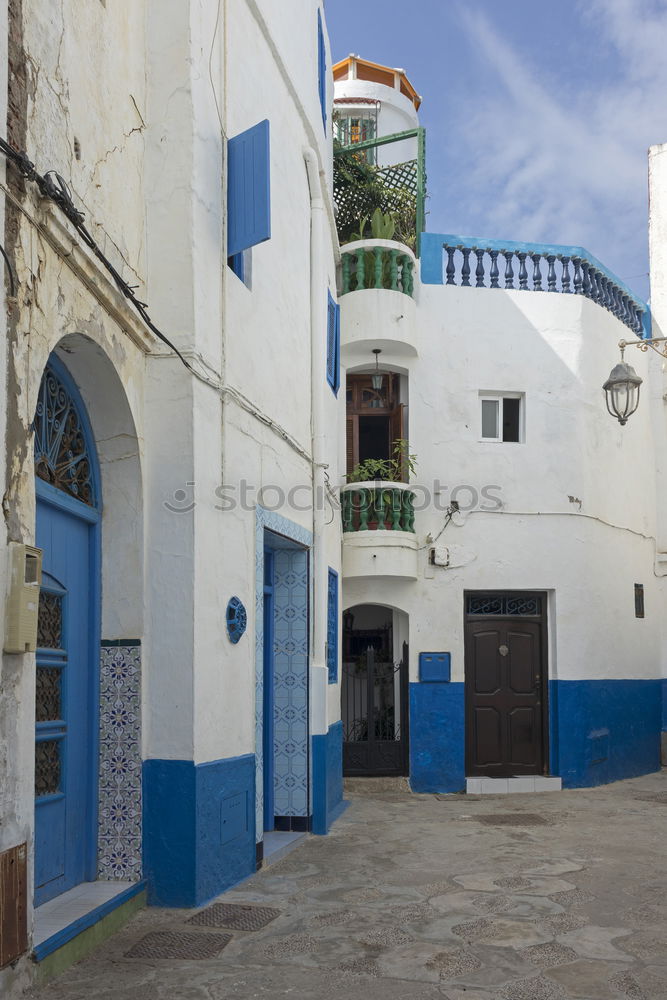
(432, 263)
(437, 737)
(279, 525)
(48, 494)
(63, 501)
(435, 667)
(189, 856)
(332, 626)
(56, 941)
(327, 754)
(268, 758)
(604, 730)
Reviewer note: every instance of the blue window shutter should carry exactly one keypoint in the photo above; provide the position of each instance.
(332, 627)
(337, 361)
(333, 344)
(321, 69)
(248, 189)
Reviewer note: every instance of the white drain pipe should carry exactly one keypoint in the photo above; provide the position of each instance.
(318, 317)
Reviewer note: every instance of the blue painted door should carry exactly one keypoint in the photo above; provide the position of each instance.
(66, 718)
(269, 695)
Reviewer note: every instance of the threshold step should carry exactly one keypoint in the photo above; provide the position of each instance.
(375, 786)
(512, 786)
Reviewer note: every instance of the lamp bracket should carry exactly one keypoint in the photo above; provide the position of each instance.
(644, 345)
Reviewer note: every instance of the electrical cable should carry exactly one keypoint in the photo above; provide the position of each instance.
(53, 186)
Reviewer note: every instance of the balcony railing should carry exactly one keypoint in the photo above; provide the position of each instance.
(377, 264)
(377, 506)
(481, 263)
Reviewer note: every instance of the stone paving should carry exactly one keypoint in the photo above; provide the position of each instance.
(415, 897)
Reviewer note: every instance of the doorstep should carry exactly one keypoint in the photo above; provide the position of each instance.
(77, 912)
(512, 786)
(278, 843)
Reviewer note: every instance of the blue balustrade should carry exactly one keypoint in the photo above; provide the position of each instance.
(569, 270)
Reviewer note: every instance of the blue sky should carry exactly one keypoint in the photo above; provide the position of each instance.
(539, 115)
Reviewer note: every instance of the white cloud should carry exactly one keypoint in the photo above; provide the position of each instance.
(545, 160)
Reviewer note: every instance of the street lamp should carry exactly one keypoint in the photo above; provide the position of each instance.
(376, 377)
(622, 392)
(622, 387)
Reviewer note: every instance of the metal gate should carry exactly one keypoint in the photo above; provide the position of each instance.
(375, 715)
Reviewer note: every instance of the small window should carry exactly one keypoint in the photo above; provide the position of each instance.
(639, 600)
(502, 417)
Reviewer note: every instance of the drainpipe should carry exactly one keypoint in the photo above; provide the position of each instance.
(318, 312)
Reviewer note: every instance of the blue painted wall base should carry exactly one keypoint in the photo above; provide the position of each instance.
(327, 758)
(600, 731)
(199, 828)
(437, 757)
(604, 730)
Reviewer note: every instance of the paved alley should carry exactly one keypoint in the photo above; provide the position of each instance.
(522, 897)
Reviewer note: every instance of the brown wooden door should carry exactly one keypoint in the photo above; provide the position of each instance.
(504, 671)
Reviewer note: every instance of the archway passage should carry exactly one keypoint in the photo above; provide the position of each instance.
(66, 705)
(374, 693)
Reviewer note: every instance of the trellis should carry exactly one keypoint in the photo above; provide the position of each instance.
(397, 184)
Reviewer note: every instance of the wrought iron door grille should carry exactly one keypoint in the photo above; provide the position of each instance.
(498, 605)
(373, 703)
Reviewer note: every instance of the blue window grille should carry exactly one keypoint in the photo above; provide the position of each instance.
(321, 69)
(248, 189)
(332, 627)
(333, 344)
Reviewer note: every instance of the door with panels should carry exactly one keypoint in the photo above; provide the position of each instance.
(505, 684)
(66, 690)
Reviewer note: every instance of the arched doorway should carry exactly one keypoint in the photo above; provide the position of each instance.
(374, 692)
(67, 487)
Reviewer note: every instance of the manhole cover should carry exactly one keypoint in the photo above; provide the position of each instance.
(173, 944)
(236, 916)
(512, 819)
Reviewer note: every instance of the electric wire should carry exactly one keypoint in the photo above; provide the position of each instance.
(53, 186)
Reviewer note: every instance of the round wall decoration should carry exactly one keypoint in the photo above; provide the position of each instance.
(237, 619)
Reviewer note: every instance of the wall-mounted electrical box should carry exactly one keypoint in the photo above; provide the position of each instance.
(25, 578)
(435, 667)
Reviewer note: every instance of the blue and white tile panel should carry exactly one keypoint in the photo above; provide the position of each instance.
(119, 812)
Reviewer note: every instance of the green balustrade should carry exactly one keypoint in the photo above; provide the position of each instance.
(378, 508)
(377, 267)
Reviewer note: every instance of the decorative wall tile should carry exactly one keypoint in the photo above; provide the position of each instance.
(290, 597)
(282, 526)
(119, 815)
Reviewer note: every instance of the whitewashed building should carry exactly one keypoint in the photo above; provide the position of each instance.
(503, 623)
(179, 713)
(205, 623)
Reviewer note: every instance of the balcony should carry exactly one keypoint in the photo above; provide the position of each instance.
(378, 530)
(495, 264)
(377, 296)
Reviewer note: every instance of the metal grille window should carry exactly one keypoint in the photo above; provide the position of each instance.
(48, 701)
(47, 767)
(61, 448)
(50, 621)
(522, 605)
(351, 128)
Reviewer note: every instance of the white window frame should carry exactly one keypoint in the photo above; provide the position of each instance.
(498, 397)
